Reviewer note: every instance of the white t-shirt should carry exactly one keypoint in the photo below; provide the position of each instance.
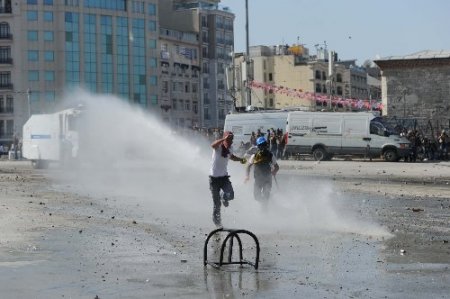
(219, 165)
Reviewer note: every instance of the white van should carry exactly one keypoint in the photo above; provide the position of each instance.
(325, 134)
(243, 124)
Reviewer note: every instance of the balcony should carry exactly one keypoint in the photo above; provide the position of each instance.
(6, 86)
(6, 61)
(6, 36)
(6, 9)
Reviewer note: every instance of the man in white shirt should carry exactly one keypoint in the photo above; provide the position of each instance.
(218, 175)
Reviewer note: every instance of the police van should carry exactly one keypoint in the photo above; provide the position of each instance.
(325, 134)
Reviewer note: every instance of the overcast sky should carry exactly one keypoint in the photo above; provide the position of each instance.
(355, 29)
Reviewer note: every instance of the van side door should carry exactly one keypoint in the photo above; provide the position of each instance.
(356, 139)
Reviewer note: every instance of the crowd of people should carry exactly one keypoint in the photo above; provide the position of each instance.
(427, 149)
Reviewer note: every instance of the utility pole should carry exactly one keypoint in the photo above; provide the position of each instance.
(247, 58)
(330, 75)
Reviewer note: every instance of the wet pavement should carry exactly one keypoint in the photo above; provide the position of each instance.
(332, 242)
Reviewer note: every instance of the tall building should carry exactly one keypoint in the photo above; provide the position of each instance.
(179, 78)
(50, 46)
(213, 25)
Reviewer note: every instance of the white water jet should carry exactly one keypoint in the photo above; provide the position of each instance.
(129, 155)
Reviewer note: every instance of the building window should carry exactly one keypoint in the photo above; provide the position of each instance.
(165, 86)
(205, 68)
(152, 9)
(32, 35)
(318, 87)
(32, 15)
(5, 54)
(154, 99)
(318, 75)
(153, 62)
(195, 107)
(32, 2)
(270, 77)
(152, 43)
(4, 30)
(72, 2)
(49, 76)
(324, 76)
(49, 96)
(151, 26)
(103, 4)
(205, 52)
(138, 7)
(48, 36)
(49, 56)
(339, 90)
(33, 55)
(48, 2)
(174, 104)
(153, 80)
(33, 75)
(338, 78)
(5, 79)
(48, 16)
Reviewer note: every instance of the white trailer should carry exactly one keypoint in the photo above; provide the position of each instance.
(51, 137)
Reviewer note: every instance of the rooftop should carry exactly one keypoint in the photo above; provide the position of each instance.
(426, 54)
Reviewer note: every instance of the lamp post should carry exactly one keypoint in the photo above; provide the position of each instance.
(247, 59)
(29, 103)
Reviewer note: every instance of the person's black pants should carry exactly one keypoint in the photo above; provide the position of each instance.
(215, 185)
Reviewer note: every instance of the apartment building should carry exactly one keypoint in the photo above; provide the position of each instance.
(213, 25)
(289, 77)
(179, 82)
(48, 47)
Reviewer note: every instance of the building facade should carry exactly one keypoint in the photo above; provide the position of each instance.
(179, 82)
(214, 26)
(416, 87)
(296, 77)
(48, 47)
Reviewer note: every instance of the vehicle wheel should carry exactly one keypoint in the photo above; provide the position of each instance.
(39, 164)
(36, 164)
(319, 154)
(390, 155)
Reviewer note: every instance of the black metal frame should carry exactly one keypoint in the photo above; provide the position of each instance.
(232, 234)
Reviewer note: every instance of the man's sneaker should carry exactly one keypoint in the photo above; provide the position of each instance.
(225, 203)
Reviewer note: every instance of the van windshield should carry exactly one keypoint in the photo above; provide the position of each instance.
(379, 127)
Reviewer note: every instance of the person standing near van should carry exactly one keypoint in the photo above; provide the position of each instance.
(219, 180)
(266, 166)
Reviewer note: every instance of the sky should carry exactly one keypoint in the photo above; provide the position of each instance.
(355, 29)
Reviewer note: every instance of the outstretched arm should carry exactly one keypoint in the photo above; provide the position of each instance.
(236, 158)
